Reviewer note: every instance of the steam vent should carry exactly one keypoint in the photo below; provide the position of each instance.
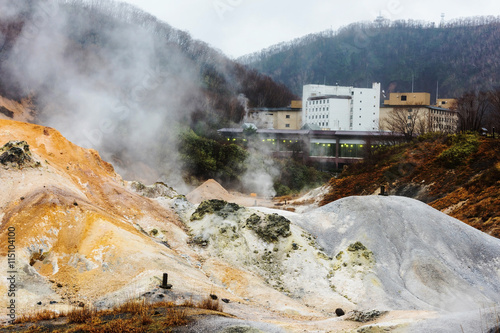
(346, 181)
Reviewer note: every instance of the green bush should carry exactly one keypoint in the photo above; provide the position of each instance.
(295, 176)
(431, 136)
(207, 158)
(281, 189)
(461, 147)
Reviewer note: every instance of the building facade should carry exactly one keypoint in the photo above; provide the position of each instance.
(341, 108)
(286, 118)
(332, 148)
(413, 114)
(408, 99)
(446, 103)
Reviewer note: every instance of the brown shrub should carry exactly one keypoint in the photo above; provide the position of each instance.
(210, 304)
(36, 316)
(81, 315)
(175, 317)
(132, 306)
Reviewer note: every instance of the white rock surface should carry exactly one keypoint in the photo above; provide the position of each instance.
(424, 259)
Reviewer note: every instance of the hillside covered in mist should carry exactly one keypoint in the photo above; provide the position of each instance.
(114, 78)
(461, 55)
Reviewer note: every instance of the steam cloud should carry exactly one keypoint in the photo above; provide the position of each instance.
(260, 174)
(111, 77)
(105, 81)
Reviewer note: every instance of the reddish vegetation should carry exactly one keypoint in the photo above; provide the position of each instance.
(469, 192)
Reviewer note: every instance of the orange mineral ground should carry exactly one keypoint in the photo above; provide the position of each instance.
(84, 236)
(81, 234)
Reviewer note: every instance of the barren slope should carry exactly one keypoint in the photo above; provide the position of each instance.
(468, 189)
(84, 235)
(76, 222)
(412, 256)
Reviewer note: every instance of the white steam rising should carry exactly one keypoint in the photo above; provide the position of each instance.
(111, 77)
(261, 172)
(106, 83)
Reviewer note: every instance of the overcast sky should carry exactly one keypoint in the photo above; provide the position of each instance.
(239, 27)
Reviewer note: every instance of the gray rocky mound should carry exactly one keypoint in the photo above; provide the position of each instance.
(397, 253)
(17, 154)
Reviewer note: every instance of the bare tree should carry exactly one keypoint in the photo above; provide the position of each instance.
(494, 98)
(409, 121)
(472, 108)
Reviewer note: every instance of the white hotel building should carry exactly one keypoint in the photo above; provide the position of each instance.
(341, 108)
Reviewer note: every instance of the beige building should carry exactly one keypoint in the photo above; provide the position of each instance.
(408, 99)
(287, 118)
(446, 103)
(412, 114)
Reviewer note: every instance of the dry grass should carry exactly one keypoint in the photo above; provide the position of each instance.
(164, 304)
(81, 315)
(207, 303)
(132, 306)
(188, 303)
(146, 318)
(133, 316)
(210, 304)
(34, 329)
(175, 317)
(114, 326)
(37, 316)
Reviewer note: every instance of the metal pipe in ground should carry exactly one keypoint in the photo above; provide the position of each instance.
(165, 284)
(382, 191)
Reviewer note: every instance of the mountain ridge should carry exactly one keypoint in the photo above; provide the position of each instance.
(399, 54)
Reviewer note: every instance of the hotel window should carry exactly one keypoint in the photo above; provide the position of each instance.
(287, 116)
(287, 125)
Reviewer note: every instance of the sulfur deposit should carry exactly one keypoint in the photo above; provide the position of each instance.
(74, 219)
(360, 264)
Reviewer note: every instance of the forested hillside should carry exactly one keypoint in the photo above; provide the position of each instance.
(457, 56)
